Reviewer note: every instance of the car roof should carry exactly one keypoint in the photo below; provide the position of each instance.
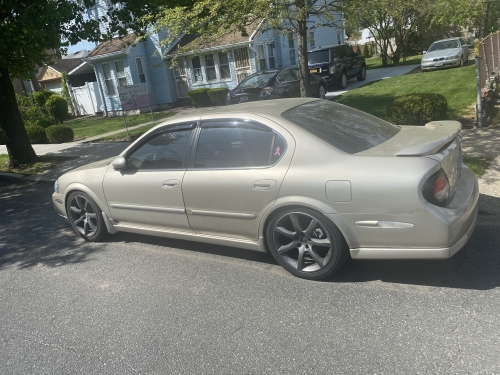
(447, 39)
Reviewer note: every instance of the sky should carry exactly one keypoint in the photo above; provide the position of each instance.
(89, 46)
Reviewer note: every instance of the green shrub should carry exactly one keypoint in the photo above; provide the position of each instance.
(358, 50)
(41, 97)
(417, 109)
(200, 97)
(36, 134)
(60, 134)
(58, 107)
(37, 116)
(218, 96)
(366, 51)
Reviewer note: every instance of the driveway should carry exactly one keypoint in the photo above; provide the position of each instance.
(373, 75)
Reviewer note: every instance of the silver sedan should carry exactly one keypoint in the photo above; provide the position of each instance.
(445, 53)
(313, 182)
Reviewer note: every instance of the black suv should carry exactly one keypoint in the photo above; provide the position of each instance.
(337, 64)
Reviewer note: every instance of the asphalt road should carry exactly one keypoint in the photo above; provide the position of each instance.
(143, 305)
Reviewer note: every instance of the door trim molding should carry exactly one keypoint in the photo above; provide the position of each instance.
(148, 208)
(231, 215)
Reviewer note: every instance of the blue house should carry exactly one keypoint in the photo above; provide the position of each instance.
(225, 63)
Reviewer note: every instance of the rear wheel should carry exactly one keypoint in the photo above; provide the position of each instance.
(85, 217)
(362, 74)
(306, 243)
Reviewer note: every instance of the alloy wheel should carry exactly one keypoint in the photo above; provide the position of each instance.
(83, 216)
(302, 242)
(322, 92)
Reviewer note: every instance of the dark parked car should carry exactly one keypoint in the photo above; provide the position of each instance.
(337, 64)
(274, 84)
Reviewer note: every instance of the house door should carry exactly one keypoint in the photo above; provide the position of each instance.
(181, 79)
(242, 63)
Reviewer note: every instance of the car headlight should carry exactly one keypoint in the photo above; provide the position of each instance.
(56, 187)
(332, 70)
(453, 57)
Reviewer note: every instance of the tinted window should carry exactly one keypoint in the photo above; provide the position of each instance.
(346, 129)
(162, 151)
(286, 76)
(296, 73)
(438, 46)
(317, 57)
(237, 145)
(341, 52)
(257, 80)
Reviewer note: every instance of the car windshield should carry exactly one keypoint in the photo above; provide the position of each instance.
(344, 128)
(317, 57)
(439, 46)
(257, 80)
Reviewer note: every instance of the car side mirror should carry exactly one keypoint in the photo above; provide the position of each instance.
(119, 162)
(424, 52)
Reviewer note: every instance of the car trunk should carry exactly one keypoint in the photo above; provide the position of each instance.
(246, 94)
(437, 140)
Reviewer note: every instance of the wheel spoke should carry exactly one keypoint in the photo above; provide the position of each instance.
(295, 222)
(92, 225)
(284, 232)
(92, 215)
(80, 203)
(316, 257)
(285, 248)
(85, 227)
(325, 242)
(75, 209)
(78, 221)
(300, 260)
(311, 227)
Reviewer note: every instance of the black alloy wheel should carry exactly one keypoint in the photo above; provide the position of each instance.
(85, 217)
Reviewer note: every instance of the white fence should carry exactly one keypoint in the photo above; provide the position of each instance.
(86, 99)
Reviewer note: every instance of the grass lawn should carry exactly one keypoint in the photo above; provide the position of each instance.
(45, 163)
(477, 164)
(376, 62)
(457, 85)
(133, 134)
(99, 125)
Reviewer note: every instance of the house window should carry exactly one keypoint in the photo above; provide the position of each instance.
(266, 56)
(120, 73)
(198, 75)
(108, 79)
(270, 56)
(310, 37)
(225, 72)
(339, 41)
(291, 48)
(140, 70)
(261, 56)
(210, 68)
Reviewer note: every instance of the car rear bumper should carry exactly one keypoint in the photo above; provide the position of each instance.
(432, 232)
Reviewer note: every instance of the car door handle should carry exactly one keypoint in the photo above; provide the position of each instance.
(264, 185)
(170, 184)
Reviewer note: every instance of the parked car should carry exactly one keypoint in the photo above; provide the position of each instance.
(445, 53)
(274, 84)
(311, 181)
(337, 64)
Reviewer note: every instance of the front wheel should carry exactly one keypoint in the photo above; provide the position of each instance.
(362, 74)
(85, 217)
(306, 243)
(343, 81)
(322, 92)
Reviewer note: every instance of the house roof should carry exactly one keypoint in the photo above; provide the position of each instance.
(112, 46)
(65, 65)
(230, 38)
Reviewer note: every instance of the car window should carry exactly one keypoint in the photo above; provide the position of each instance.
(237, 144)
(447, 44)
(317, 57)
(345, 128)
(296, 73)
(286, 76)
(341, 52)
(165, 150)
(350, 51)
(257, 80)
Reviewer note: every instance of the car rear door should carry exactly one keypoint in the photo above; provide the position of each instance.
(237, 170)
(353, 63)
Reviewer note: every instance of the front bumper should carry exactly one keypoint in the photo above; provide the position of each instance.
(58, 203)
(436, 232)
(435, 65)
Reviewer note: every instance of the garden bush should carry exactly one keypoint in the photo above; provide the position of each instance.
(200, 97)
(36, 134)
(366, 51)
(358, 50)
(37, 116)
(58, 107)
(60, 134)
(41, 97)
(218, 96)
(417, 109)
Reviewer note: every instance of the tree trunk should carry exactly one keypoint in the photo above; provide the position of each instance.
(302, 47)
(11, 124)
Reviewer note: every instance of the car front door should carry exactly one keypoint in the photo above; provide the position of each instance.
(237, 170)
(290, 79)
(147, 192)
(352, 62)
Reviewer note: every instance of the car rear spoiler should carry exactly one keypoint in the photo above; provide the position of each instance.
(440, 134)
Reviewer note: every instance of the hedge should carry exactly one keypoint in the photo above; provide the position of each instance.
(200, 97)
(36, 134)
(60, 134)
(417, 109)
(41, 97)
(58, 107)
(218, 96)
(35, 116)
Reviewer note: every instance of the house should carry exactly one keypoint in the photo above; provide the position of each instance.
(121, 62)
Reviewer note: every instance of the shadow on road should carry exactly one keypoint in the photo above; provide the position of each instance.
(32, 234)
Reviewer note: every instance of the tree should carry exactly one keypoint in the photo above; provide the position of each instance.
(209, 19)
(29, 30)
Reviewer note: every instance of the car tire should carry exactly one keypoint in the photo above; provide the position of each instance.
(362, 74)
(322, 91)
(85, 217)
(306, 243)
(342, 84)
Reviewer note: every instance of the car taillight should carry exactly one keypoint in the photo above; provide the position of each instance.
(436, 189)
(266, 91)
